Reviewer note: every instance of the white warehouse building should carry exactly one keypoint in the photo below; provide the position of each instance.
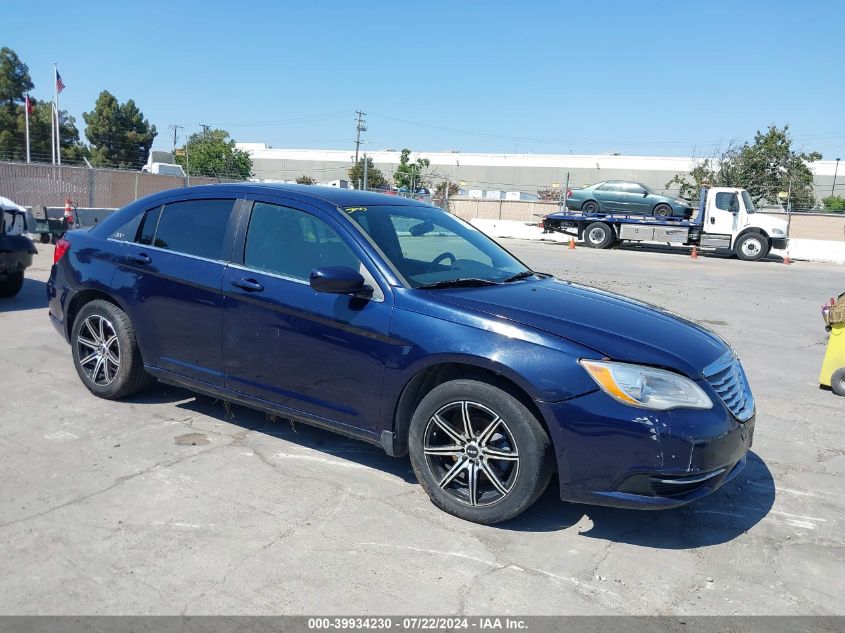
(513, 176)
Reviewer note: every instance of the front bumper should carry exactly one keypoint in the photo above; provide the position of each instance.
(780, 243)
(615, 455)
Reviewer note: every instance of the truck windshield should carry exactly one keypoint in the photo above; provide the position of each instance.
(749, 204)
(431, 248)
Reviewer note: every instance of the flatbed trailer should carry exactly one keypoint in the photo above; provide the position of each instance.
(726, 218)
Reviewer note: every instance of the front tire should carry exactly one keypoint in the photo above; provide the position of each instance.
(752, 247)
(478, 452)
(663, 211)
(105, 352)
(11, 284)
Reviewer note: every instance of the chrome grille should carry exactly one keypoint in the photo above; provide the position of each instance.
(728, 378)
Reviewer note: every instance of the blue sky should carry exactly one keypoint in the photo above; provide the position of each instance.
(659, 78)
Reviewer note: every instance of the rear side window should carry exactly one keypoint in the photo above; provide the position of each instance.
(146, 232)
(193, 227)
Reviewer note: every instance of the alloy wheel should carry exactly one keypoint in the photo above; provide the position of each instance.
(471, 453)
(98, 350)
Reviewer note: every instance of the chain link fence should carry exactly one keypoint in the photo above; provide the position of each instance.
(31, 184)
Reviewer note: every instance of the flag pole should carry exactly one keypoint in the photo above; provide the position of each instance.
(56, 92)
(26, 118)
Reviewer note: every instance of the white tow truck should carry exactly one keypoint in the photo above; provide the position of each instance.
(726, 219)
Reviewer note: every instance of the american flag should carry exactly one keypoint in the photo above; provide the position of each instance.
(59, 84)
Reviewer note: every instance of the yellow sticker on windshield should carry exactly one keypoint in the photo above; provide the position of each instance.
(354, 209)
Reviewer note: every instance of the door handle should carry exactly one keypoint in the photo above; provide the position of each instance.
(250, 285)
(141, 258)
(712, 220)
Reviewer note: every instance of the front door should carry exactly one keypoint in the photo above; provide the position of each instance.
(170, 277)
(723, 214)
(317, 353)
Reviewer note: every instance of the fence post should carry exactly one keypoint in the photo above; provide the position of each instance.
(500, 209)
(90, 187)
(136, 184)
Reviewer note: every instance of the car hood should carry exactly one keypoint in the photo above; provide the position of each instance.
(616, 327)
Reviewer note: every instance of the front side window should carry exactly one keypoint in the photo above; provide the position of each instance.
(194, 227)
(292, 243)
(428, 246)
(727, 201)
(632, 187)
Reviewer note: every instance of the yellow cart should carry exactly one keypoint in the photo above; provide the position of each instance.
(833, 366)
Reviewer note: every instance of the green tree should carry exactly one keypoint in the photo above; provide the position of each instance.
(212, 153)
(14, 79)
(40, 129)
(440, 189)
(375, 179)
(765, 167)
(836, 204)
(411, 175)
(119, 134)
(306, 180)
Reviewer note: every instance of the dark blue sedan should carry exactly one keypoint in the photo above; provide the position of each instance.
(394, 322)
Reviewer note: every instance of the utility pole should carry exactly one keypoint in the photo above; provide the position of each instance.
(175, 127)
(365, 171)
(359, 127)
(204, 127)
(835, 172)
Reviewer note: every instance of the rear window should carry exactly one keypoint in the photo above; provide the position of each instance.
(193, 227)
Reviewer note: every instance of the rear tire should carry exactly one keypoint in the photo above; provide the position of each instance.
(599, 235)
(663, 211)
(494, 466)
(106, 353)
(11, 284)
(752, 247)
(590, 207)
(837, 382)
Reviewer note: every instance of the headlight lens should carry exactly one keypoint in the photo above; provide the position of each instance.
(777, 232)
(646, 387)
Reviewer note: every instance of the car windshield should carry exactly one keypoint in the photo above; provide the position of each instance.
(748, 202)
(431, 247)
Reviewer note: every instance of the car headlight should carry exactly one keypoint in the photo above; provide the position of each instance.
(646, 387)
(682, 202)
(778, 232)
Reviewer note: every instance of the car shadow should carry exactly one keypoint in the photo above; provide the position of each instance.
(33, 295)
(304, 435)
(727, 513)
(717, 518)
(686, 251)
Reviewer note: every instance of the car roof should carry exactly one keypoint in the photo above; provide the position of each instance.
(333, 195)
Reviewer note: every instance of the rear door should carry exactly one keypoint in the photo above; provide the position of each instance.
(316, 353)
(611, 198)
(169, 278)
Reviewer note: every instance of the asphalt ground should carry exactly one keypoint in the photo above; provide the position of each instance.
(171, 503)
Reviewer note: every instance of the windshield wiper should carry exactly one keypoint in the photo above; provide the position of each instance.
(460, 282)
(526, 273)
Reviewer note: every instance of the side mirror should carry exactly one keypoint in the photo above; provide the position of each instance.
(645, 194)
(338, 280)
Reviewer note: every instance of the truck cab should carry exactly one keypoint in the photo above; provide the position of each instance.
(728, 219)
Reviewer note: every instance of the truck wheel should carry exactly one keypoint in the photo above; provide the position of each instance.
(837, 382)
(663, 211)
(752, 247)
(478, 452)
(105, 351)
(11, 284)
(590, 207)
(599, 235)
